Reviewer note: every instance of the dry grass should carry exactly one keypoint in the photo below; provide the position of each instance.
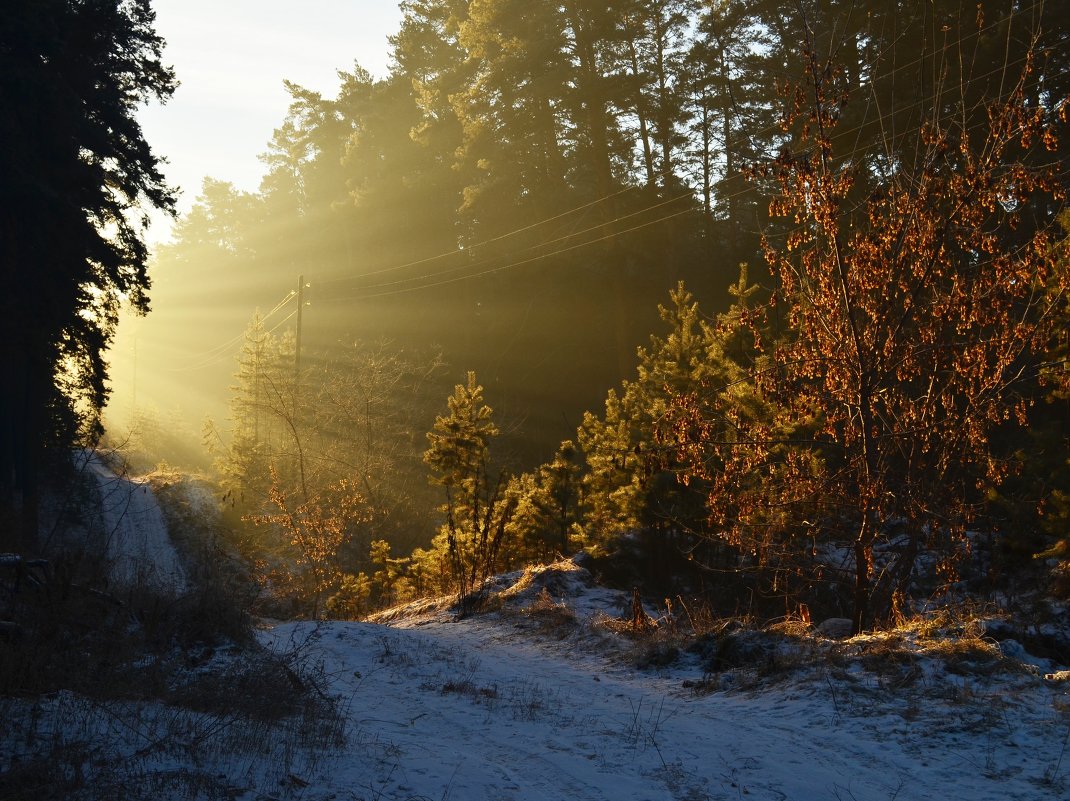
(791, 627)
(149, 727)
(953, 635)
(552, 616)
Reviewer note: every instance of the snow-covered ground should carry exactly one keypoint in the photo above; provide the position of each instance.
(501, 707)
(549, 698)
(131, 524)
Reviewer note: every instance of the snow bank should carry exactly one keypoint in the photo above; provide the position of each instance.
(135, 540)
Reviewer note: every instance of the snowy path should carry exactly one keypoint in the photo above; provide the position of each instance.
(477, 710)
(135, 538)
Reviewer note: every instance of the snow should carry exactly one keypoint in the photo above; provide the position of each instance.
(497, 707)
(548, 697)
(136, 540)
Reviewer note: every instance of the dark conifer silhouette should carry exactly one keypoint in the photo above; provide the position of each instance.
(77, 178)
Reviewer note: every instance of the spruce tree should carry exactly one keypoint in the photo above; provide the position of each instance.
(76, 171)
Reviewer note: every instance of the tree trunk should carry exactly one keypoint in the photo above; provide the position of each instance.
(22, 435)
(863, 569)
(666, 105)
(642, 115)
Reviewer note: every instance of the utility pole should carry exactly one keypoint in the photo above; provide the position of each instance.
(301, 287)
(133, 400)
(297, 345)
(258, 344)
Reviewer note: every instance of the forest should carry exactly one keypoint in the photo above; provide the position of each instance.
(758, 303)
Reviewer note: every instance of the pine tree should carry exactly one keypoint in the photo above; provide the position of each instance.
(76, 172)
(549, 508)
(512, 111)
(630, 485)
(732, 122)
(476, 509)
(657, 39)
(253, 439)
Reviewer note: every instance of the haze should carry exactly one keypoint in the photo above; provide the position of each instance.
(232, 59)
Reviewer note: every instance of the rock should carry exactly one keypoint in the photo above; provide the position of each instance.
(997, 629)
(835, 628)
(583, 559)
(1012, 649)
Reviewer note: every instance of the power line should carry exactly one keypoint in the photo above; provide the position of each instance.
(477, 245)
(515, 264)
(436, 279)
(856, 150)
(281, 322)
(547, 243)
(222, 351)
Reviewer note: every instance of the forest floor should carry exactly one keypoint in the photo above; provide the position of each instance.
(551, 694)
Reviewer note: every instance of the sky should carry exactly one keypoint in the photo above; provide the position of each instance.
(231, 58)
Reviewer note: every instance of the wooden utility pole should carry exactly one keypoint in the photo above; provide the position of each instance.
(133, 399)
(297, 344)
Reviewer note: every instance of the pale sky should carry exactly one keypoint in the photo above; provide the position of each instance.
(231, 57)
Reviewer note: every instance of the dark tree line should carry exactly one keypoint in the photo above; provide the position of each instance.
(76, 170)
(530, 175)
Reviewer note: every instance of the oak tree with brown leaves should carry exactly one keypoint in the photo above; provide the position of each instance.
(915, 313)
(314, 531)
